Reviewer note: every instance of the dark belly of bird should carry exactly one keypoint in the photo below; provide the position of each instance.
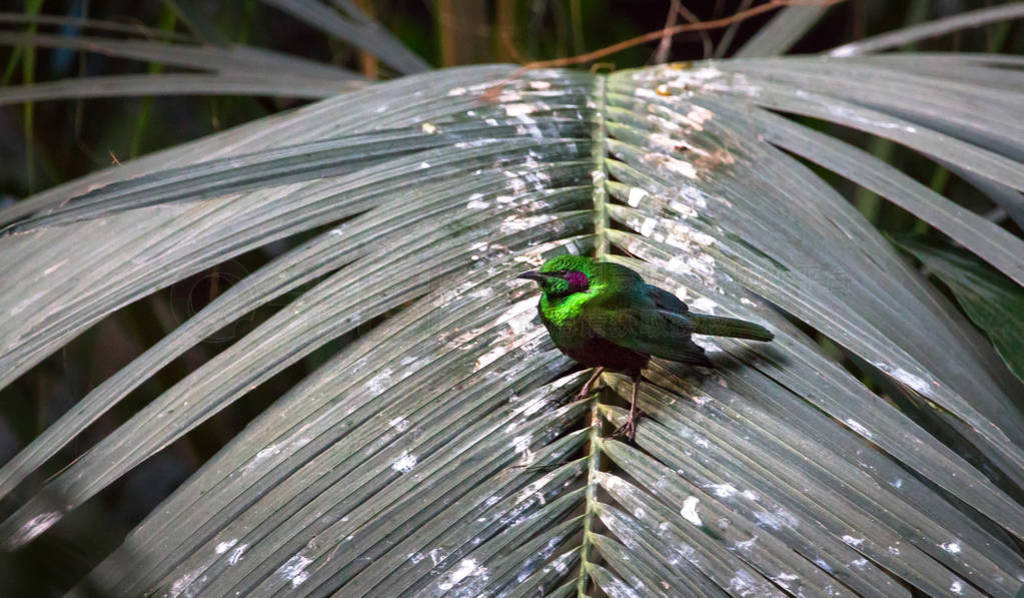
(597, 352)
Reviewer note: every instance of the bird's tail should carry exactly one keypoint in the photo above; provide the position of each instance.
(716, 326)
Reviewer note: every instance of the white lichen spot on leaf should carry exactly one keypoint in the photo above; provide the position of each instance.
(636, 195)
(519, 321)
(437, 555)
(516, 224)
(697, 116)
(746, 544)
(466, 569)
(522, 446)
(294, 570)
(721, 490)
(775, 520)
(380, 382)
(518, 110)
(236, 554)
(689, 510)
(476, 202)
(704, 305)
(404, 463)
(183, 588)
(783, 579)
(743, 584)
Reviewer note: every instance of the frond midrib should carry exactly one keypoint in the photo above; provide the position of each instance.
(601, 245)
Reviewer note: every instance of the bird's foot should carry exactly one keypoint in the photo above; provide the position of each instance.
(577, 396)
(628, 429)
(589, 386)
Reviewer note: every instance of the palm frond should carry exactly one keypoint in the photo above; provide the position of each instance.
(444, 451)
(909, 35)
(355, 28)
(989, 299)
(782, 32)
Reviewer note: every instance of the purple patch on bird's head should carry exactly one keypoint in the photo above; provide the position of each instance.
(577, 280)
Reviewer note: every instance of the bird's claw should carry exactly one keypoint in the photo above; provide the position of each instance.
(588, 388)
(579, 396)
(628, 429)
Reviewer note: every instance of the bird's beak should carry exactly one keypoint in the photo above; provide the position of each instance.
(533, 275)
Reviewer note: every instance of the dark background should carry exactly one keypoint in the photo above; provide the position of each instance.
(47, 143)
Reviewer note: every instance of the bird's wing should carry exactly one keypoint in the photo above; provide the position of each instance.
(645, 296)
(617, 276)
(651, 331)
(665, 300)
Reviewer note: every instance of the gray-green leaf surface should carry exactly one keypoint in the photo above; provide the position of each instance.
(444, 451)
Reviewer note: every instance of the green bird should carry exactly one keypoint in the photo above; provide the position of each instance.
(605, 316)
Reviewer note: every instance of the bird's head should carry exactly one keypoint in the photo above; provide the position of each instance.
(563, 275)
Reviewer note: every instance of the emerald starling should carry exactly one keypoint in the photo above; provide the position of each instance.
(605, 316)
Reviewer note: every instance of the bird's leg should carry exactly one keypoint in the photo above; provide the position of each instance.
(586, 387)
(628, 429)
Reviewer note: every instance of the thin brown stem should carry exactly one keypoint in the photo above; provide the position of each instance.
(654, 35)
(491, 93)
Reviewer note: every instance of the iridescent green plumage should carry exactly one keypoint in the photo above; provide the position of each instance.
(604, 315)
